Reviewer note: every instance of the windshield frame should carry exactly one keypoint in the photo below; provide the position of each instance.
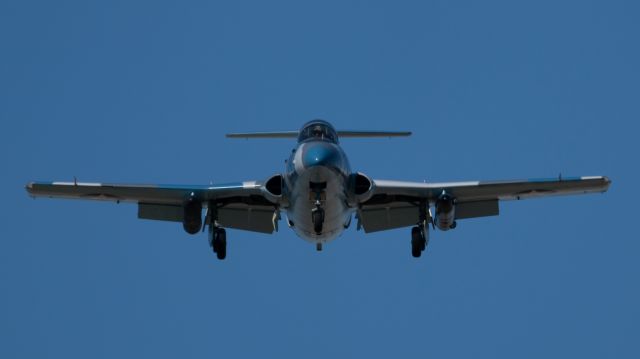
(319, 131)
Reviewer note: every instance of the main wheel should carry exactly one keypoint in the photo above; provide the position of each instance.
(220, 243)
(415, 251)
(417, 242)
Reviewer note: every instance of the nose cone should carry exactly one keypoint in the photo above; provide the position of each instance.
(321, 154)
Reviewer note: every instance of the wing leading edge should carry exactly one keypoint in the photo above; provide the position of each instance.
(242, 205)
(147, 193)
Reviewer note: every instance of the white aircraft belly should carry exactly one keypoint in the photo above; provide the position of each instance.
(302, 201)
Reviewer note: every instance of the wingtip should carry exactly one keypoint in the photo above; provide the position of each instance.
(29, 188)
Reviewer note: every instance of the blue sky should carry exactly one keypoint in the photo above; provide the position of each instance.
(129, 91)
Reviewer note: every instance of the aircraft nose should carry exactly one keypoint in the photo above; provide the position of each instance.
(321, 154)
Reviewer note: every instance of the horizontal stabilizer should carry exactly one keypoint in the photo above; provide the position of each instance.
(282, 134)
(341, 134)
(344, 134)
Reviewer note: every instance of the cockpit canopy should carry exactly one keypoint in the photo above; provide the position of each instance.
(318, 130)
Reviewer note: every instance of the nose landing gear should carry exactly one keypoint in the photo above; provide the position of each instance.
(317, 216)
(317, 213)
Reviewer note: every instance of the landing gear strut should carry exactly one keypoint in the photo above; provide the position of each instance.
(218, 241)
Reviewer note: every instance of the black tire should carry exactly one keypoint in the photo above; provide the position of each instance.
(318, 218)
(415, 251)
(416, 234)
(417, 237)
(220, 243)
(222, 254)
(416, 242)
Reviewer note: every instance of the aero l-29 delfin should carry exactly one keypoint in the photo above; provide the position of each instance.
(320, 195)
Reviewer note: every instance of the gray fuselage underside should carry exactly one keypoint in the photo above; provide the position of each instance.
(318, 162)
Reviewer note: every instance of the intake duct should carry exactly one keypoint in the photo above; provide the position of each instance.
(274, 185)
(273, 188)
(361, 188)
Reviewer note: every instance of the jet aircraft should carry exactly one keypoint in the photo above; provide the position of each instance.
(320, 195)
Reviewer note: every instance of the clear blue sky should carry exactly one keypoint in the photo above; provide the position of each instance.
(128, 91)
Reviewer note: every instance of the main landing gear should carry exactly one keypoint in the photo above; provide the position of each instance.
(217, 235)
(419, 240)
(420, 233)
(218, 241)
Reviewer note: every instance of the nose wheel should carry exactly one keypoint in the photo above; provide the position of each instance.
(317, 216)
(317, 213)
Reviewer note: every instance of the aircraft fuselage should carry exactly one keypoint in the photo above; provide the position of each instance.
(317, 179)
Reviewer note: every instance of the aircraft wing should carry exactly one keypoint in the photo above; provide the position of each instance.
(243, 205)
(396, 204)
